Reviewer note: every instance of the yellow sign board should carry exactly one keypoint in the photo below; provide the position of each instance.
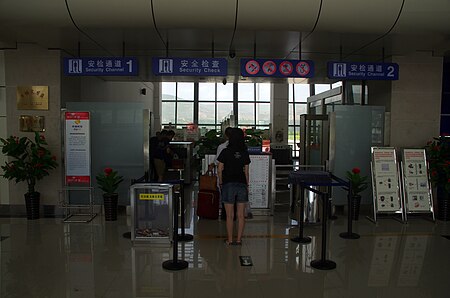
(151, 196)
(32, 97)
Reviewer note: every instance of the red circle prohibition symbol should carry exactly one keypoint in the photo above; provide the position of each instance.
(286, 68)
(252, 67)
(269, 67)
(302, 68)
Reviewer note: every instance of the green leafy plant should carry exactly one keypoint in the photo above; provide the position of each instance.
(438, 154)
(208, 144)
(109, 181)
(253, 137)
(31, 160)
(359, 183)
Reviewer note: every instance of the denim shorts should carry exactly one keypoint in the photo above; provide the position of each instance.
(234, 192)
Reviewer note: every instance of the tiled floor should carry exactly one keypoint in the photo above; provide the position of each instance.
(47, 258)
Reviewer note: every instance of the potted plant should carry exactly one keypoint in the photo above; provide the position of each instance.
(30, 161)
(358, 183)
(109, 181)
(438, 154)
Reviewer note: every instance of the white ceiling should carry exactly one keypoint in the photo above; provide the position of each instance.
(357, 30)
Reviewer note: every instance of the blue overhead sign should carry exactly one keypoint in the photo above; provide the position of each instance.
(101, 66)
(362, 71)
(190, 66)
(279, 68)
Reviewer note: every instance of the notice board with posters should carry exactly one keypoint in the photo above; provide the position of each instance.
(77, 144)
(416, 186)
(259, 175)
(385, 181)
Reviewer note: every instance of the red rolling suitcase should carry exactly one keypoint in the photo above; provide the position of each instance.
(208, 204)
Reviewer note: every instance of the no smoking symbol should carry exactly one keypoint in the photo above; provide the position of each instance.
(302, 68)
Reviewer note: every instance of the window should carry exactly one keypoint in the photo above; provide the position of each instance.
(215, 101)
(177, 103)
(298, 95)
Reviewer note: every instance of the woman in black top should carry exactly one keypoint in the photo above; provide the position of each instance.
(233, 179)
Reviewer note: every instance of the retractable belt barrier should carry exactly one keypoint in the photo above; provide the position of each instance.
(307, 179)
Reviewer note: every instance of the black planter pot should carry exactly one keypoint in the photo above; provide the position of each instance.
(32, 200)
(356, 203)
(110, 205)
(443, 204)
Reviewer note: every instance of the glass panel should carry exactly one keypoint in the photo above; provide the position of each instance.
(206, 113)
(246, 92)
(262, 114)
(356, 90)
(223, 110)
(299, 109)
(206, 91)
(168, 112)
(185, 91)
(291, 114)
(246, 114)
(319, 88)
(291, 93)
(291, 133)
(125, 156)
(225, 92)
(263, 92)
(301, 92)
(168, 91)
(185, 113)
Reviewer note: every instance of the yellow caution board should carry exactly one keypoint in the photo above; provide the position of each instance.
(151, 196)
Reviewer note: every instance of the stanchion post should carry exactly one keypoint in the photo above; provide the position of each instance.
(183, 237)
(301, 238)
(323, 263)
(175, 264)
(349, 234)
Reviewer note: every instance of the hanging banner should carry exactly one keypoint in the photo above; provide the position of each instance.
(416, 186)
(363, 71)
(100, 66)
(190, 66)
(385, 180)
(77, 147)
(278, 68)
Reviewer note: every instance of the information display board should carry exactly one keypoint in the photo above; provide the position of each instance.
(416, 187)
(385, 182)
(77, 147)
(259, 172)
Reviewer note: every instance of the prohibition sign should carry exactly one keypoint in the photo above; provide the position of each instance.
(269, 68)
(302, 68)
(286, 68)
(252, 67)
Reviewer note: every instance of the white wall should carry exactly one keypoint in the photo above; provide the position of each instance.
(33, 66)
(96, 89)
(415, 103)
(279, 112)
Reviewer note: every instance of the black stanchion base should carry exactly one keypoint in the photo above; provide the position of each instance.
(171, 265)
(302, 240)
(348, 235)
(126, 235)
(323, 264)
(185, 238)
